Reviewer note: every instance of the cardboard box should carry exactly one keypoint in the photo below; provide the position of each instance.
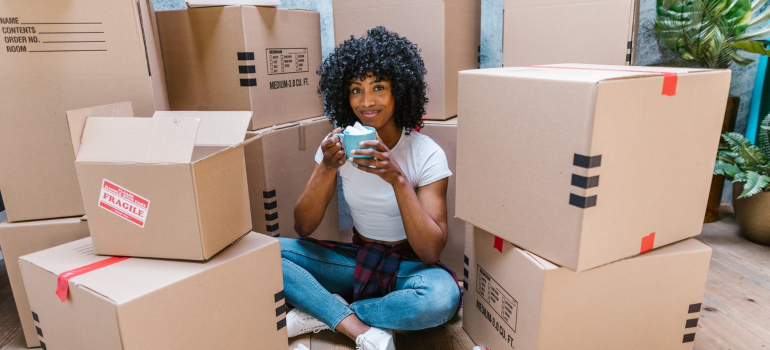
(159, 304)
(208, 3)
(24, 238)
(446, 31)
(172, 186)
(517, 300)
(445, 135)
(579, 31)
(239, 58)
(587, 165)
(60, 56)
(279, 162)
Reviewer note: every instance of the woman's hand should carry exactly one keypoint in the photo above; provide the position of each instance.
(381, 165)
(334, 154)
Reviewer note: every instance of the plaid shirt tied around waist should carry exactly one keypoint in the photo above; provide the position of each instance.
(377, 265)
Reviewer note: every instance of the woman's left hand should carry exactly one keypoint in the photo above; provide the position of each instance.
(381, 165)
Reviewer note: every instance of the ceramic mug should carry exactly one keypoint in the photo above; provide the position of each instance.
(350, 142)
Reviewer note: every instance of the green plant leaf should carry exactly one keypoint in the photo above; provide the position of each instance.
(735, 140)
(726, 169)
(754, 184)
(752, 156)
(751, 46)
(763, 136)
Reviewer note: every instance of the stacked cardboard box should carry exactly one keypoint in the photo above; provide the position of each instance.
(279, 162)
(446, 31)
(579, 31)
(240, 58)
(61, 56)
(572, 165)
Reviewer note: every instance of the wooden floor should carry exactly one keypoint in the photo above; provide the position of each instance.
(736, 313)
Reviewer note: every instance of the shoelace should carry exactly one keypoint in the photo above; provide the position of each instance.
(309, 326)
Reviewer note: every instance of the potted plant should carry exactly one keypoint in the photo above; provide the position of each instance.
(748, 167)
(711, 34)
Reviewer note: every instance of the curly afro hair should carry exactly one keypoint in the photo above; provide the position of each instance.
(386, 56)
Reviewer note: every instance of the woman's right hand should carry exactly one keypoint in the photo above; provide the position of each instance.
(334, 154)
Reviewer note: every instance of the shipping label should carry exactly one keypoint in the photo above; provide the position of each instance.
(22, 35)
(124, 203)
(500, 301)
(285, 61)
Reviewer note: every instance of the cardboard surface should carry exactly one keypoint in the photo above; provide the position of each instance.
(171, 187)
(518, 300)
(17, 239)
(445, 135)
(160, 304)
(566, 163)
(237, 58)
(62, 56)
(279, 162)
(584, 31)
(447, 33)
(206, 3)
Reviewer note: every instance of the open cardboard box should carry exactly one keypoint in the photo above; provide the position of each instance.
(172, 186)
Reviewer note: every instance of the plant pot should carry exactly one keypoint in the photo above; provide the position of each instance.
(753, 215)
(717, 182)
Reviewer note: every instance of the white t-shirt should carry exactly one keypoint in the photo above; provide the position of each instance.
(372, 201)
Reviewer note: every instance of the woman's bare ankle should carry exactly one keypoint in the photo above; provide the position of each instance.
(352, 326)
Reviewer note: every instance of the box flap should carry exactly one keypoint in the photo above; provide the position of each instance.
(76, 120)
(584, 72)
(138, 140)
(216, 128)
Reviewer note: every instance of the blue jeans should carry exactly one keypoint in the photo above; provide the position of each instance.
(424, 297)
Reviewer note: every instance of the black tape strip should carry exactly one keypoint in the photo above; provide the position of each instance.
(688, 338)
(247, 69)
(279, 296)
(268, 194)
(586, 161)
(280, 310)
(271, 217)
(34, 317)
(465, 285)
(467, 261)
(277, 235)
(630, 45)
(585, 182)
(281, 324)
(245, 56)
(249, 82)
(272, 228)
(39, 331)
(691, 323)
(271, 205)
(465, 273)
(582, 202)
(479, 48)
(694, 308)
(628, 57)
(42, 346)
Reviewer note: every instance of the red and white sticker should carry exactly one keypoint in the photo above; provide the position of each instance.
(124, 203)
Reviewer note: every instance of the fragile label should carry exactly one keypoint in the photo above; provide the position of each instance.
(284, 61)
(500, 301)
(124, 203)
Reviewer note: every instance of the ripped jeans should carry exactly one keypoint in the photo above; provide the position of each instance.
(424, 297)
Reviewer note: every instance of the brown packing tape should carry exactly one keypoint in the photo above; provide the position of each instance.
(301, 137)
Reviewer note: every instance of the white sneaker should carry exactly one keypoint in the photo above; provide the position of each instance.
(375, 339)
(298, 322)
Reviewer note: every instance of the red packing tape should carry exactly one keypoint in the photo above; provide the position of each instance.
(648, 242)
(63, 285)
(669, 79)
(499, 244)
